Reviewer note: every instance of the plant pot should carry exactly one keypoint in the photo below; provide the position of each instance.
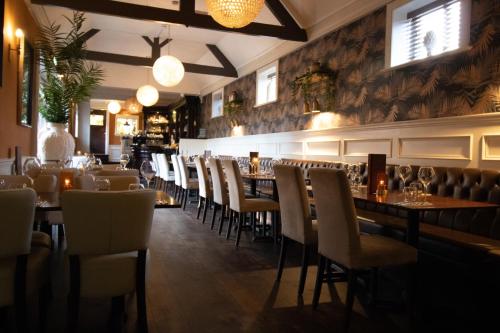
(55, 144)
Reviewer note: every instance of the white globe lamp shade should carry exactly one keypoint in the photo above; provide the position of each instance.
(147, 95)
(114, 107)
(234, 13)
(168, 71)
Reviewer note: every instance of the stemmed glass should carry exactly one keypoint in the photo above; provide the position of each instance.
(147, 171)
(404, 173)
(425, 175)
(124, 159)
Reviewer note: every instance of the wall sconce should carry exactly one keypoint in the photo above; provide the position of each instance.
(315, 106)
(19, 35)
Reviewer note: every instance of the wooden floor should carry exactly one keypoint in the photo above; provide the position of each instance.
(198, 282)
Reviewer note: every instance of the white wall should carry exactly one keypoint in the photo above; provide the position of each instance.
(470, 141)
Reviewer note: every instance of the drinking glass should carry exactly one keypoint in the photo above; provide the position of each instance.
(404, 173)
(102, 184)
(135, 187)
(147, 171)
(16, 186)
(2, 184)
(416, 190)
(425, 175)
(124, 159)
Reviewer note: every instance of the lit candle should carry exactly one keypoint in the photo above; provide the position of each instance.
(67, 184)
(381, 188)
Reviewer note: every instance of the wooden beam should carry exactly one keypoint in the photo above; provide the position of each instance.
(185, 16)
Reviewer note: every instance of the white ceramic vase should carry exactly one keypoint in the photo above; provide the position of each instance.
(55, 144)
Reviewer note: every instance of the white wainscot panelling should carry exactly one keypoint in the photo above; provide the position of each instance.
(444, 147)
(491, 147)
(291, 148)
(363, 147)
(114, 153)
(267, 149)
(323, 148)
(6, 166)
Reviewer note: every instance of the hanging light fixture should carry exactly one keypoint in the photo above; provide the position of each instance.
(234, 13)
(133, 106)
(114, 107)
(147, 95)
(168, 70)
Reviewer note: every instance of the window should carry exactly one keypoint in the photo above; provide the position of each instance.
(267, 84)
(421, 29)
(217, 103)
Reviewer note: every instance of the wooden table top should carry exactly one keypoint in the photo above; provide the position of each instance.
(433, 202)
(258, 176)
(49, 202)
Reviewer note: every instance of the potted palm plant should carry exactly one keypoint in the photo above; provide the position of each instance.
(67, 78)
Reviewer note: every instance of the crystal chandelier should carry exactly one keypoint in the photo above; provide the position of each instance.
(234, 13)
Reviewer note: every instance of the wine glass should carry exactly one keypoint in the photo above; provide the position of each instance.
(147, 171)
(2, 184)
(425, 175)
(135, 187)
(124, 159)
(102, 184)
(32, 167)
(404, 173)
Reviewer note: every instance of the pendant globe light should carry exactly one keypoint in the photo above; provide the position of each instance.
(168, 71)
(114, 107)
(234, 13)
(147, 95)
(133, 106)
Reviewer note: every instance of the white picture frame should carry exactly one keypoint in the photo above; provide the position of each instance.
(218, 103)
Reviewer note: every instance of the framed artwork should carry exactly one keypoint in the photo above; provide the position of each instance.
(26, 82)
(218, 103)
(125, 125)
(2, 5)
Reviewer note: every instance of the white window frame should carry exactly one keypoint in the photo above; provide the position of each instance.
(464, 43)
(218, 113)
(274, 64)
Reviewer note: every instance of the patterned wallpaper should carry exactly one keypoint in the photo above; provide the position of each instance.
(457, 84)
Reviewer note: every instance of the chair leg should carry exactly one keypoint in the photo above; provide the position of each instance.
(200, 202)
(74, 293)
(240, 227)
(281, 262)
(185, 196)
(20, 293)
(231, 218)
(303, 271)
(214, 215)
(351, 289)
(319, 281)
(222, 218)
(205, 209)
(117, 313)
(142, 318)
(43, 303)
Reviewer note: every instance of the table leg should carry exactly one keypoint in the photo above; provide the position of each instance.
(253, 187)
(412, 229)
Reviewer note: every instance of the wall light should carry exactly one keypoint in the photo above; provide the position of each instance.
(19, 34)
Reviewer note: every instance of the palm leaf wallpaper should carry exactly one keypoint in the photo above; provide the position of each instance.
(452, 85)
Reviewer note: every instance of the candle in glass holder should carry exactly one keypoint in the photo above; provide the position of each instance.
(381, 188)
(66, 181)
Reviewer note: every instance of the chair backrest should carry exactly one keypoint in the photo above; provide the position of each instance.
(17, 211)
(183, 171)
(154, 157)
(120, 183)
(16, 180)
(235, 184)
(111, 222)
(338, 230)
(295, 211)
(203, 181)
(85, 182)
(127, 172)
(221, 196)
(163, 166)
(177, 171)
(57, 172)
(45, 184)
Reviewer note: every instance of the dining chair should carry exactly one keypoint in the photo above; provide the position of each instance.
(120, 183)
(45, 184)
(242, 205)
(16, 180)
(219, 190)
(339, 239)
(166, 176)
(205, 192)
(57, 171)
(188, 184)
(296, 220)
(177, 176)
(107, 251)
(127, 172)
(24, 268)
(157, 178)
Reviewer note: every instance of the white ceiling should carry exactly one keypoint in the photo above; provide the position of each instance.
(123, 36)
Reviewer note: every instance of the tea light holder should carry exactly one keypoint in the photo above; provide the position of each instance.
(381, 188)
(66, 181)
(253, 165)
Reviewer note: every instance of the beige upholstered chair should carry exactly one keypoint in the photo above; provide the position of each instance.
(23, 267)
(239, 203)
(296, 221)
(165, 175)
(188, 184)
(107, 251)
(127, 172)
(16, 180)
(205, 191)
(177, 176)
(338, 234)
(85, 182)
(57, 171)
(45, 184)
(219, 189)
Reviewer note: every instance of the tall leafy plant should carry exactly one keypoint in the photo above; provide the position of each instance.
(67, 77)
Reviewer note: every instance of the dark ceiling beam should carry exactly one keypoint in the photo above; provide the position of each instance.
(186, 16)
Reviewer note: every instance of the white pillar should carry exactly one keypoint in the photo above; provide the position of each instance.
(84, 126)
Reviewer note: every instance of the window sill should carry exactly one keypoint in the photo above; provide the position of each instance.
(266, 103)
(420, 61)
